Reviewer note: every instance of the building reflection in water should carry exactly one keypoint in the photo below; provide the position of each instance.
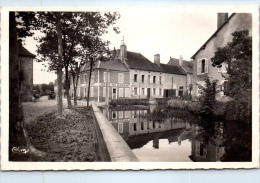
(138, 131)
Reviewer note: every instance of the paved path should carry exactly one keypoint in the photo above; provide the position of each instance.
(43, 105)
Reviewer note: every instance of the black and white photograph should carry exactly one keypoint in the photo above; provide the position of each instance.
(130, 88)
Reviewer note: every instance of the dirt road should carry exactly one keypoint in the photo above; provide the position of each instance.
(43, 105)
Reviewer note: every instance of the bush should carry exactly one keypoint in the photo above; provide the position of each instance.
(129, 102)
(194, 107)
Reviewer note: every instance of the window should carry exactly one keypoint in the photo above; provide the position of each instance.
(142, 91)
(148, 125)
(105, 77)
(160, 91)
(85, 78)
(135, 127)
(142, 125)
(104, 91)
(135, 91)
(120, 114)
(154, 79)
(127, 92)
(114, 115)
(153, 124)
(120, 78)
(79, 80)
(108, 77)
(160, 79)
(127, 114)
(135, 77)
(92, 91)
(121, 92)
(85, 92)
(201, 150)
(202, 66)
(142, 78)
(148, 79)
(154, 91)
(181, 91)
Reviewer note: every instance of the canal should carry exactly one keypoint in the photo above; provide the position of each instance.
(159, 134)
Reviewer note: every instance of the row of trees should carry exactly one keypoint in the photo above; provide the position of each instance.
(70, 40)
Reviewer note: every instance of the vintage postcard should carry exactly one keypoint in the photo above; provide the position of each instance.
(129, 88)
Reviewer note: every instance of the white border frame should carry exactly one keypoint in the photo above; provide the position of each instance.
(6, 165)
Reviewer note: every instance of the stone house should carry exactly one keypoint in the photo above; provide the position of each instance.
(220, 38)
(108, 79)
(131, 75)
(25, 74)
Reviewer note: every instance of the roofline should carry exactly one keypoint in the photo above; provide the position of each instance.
(205, 44)
(158, 71)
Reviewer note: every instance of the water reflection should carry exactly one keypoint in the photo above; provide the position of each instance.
(162, 134)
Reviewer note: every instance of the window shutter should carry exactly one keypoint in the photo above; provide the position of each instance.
(198, 67)
(206, 66)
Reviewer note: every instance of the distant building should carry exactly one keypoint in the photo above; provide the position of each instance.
(220, 38)
(25, 74)
(187, 66)
(131, 75)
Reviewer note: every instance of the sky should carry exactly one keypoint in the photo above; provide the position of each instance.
(150, 32)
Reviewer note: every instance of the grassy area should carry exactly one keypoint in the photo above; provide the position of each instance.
(70, 139)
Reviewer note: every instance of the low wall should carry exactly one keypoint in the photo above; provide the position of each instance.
(111, 146)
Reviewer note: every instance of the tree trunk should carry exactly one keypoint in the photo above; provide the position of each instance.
(89, 80)
(59, 68)
(16, 134)
(67, 85)
(75, 96)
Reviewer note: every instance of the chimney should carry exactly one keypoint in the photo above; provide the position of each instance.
(123, 51)
(157, 59)
(181, 61)
(222, 17)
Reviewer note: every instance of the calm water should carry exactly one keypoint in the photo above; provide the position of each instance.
(161, 134)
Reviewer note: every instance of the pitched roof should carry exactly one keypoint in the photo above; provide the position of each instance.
(172, 69)
(187, 66)
(205, 44)
(115, 64)
(139, 62)
(24, 52)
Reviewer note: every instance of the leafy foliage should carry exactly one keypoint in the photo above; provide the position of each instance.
(208, 95)
(238, 56)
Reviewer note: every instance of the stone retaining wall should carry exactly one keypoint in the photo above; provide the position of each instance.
(111, 146)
